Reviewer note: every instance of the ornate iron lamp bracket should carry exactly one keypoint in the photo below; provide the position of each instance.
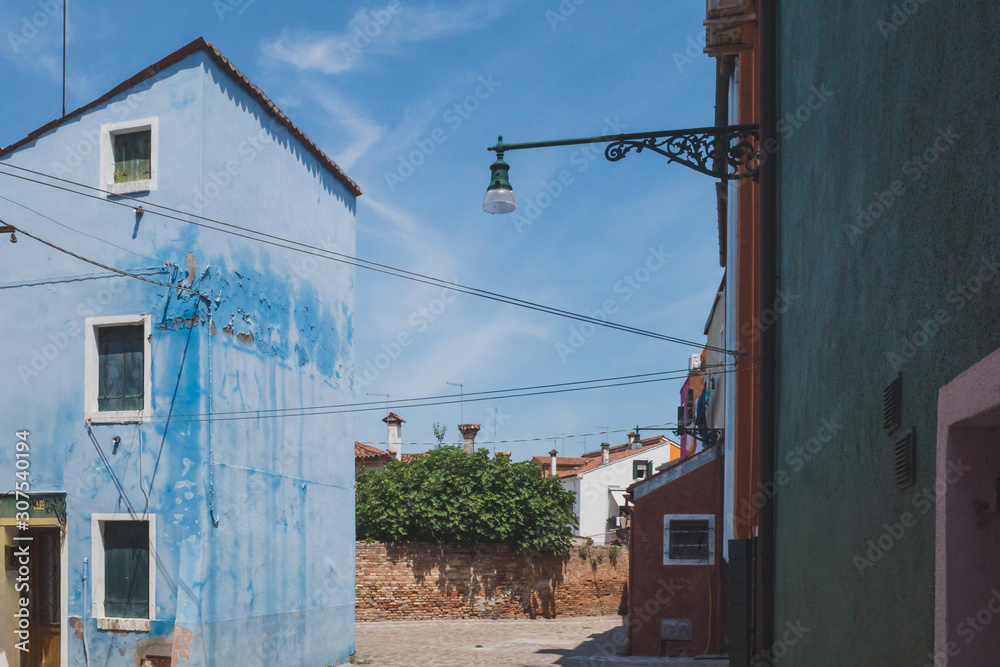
(709, 436)
(733, 148)
(726, 152)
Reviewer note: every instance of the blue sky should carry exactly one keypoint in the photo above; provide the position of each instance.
(405, 96)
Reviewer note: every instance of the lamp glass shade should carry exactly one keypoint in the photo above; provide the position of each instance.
(499, 200)
(499, 195)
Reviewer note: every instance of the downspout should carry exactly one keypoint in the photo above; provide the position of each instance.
(768, 289)
(86, 649)
(211, 452)
(725, 66)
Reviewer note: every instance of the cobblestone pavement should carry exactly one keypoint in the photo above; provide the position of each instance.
(592, 641)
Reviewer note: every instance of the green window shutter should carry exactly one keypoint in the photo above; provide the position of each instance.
(126, 569)
(121, 368)
(133, 154)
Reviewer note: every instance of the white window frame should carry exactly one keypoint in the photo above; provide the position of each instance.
(105, 622)
(667, 518)
(108, 132)
(91, 366)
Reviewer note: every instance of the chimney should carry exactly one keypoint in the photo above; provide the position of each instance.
(469, 432)
(605, 452)
(503, 454)
(394, 439)
(552, 465)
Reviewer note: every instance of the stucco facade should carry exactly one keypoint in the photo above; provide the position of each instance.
(250, 514)
(677, 606)
(600, 487)
(888, 240)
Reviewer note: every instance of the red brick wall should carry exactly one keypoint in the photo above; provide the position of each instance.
(431, 581)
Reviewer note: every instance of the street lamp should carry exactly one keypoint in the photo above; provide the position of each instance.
(725, 152)
(499, 195)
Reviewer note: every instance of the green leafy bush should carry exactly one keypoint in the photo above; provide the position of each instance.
(450, 496)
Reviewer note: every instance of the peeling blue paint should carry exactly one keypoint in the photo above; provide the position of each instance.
(274, 582)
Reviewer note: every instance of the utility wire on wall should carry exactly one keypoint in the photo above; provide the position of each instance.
(359, 407)
(296, 246)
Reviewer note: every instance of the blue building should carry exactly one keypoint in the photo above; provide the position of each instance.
(157, 535)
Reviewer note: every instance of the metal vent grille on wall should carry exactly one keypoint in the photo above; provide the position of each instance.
(904, 460)
(892, 404)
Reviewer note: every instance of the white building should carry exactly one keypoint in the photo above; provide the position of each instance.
(599, 480)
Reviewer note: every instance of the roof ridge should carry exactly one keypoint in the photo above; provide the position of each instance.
(227, 66)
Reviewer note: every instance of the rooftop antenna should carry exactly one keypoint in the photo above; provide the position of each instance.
(386, 397)
(65, 2)
(461, 393)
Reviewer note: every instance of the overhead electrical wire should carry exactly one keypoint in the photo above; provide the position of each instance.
(73, 229)
(424, 402)
(400, 402)
(289, 244)
(376, 405)
(555, 388)
(178, 286)
(541, 439)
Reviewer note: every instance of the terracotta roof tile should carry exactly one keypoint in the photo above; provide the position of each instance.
(655, 440)
(589, 462)
(363, 451)
(564, 464)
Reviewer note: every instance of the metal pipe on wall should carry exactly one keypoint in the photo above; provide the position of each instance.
(768, 289)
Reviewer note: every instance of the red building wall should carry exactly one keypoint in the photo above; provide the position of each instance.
(658, 591)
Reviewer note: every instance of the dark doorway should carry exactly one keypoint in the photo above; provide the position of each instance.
(44, 600)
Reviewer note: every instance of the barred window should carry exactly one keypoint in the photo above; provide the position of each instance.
(688, 539)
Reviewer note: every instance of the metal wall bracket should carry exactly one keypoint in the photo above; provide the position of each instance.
(727, 152)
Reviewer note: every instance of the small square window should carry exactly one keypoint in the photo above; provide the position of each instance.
(641, 469)
(688, 539)
(133, 154)
(117, 369)
(129, 155)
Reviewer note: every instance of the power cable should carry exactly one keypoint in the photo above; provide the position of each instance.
(437, 396)
(104, 266)
(357, 262)
(73, 229)
(409, 403)
(549, 437)
(350, 409)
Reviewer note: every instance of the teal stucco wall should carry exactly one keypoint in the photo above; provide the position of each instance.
(889, 242)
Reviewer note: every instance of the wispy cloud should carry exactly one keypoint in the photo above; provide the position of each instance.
(381, 30)
(466, 345)
(365, 131)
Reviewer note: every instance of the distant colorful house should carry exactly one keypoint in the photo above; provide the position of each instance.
(599, 480)
(175, 510)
